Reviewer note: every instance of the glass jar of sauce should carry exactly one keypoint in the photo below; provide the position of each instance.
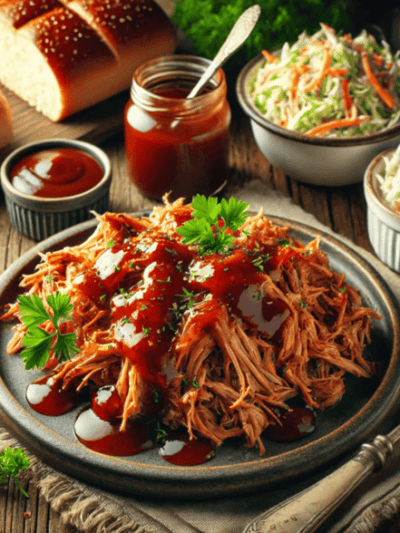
(174, 144)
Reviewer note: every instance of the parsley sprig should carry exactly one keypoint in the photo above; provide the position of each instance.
(204, 229)
(13, 461)
(38, 342)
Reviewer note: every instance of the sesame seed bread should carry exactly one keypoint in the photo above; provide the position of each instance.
(62, 56)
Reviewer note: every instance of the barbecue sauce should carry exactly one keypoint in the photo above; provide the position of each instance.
(174, 144)
(296, 422)
(98, 426)
(48, 398)
(172, 277)
(179, 449)
(56, 173)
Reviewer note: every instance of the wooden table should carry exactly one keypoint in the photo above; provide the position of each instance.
(341, 209)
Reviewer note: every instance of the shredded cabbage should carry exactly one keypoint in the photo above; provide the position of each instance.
(389, 181)
(306, 86)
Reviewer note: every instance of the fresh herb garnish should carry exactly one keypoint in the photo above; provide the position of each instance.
(205, 228)
(12, 462)
(38, 342)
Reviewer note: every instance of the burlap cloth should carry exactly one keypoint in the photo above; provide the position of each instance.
(91, 509)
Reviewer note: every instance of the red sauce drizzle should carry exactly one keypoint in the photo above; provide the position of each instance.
(49, 399)
(56, 173)
(98, 426)
(297, 422)
(179, 450)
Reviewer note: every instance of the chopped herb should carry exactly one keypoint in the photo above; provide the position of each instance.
(49, 278)
(145, 331)
(303, 304)
(103, 296)
(195, 384)
(110, 243)
(117, 269)
(284, 242)
(226, 269)
(342, 290)
(161, 434)
(143, 308)
(156, 396)
(258, 263)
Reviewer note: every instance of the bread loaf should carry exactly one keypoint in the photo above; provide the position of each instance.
(6, 130)
(62, 56)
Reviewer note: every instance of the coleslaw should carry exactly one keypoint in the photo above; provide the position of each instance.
(389, 180)
(329, 84)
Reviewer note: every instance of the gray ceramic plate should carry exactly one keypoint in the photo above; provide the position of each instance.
(235, 469)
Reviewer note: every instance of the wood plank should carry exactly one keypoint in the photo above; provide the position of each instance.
(94, 125)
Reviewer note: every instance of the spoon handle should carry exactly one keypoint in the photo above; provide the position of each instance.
(238, 34)
(306, 511)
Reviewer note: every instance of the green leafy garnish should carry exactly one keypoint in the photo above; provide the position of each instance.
(38, 342)
(12, 462)
(210, 222)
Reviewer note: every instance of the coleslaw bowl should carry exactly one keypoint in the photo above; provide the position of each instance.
(317, 160)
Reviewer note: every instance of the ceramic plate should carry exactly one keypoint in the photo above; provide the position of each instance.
(235, 469)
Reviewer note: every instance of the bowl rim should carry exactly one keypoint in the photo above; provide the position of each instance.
(371, 190)
(91, 149)
(250, 109)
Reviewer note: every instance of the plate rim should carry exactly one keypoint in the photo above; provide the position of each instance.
(204, 480)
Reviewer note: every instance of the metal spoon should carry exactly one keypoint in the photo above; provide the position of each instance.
(306, 511)
(237, 36)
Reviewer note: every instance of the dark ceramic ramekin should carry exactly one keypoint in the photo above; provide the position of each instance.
(39, 218)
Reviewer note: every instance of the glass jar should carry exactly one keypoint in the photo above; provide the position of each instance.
(174, 144)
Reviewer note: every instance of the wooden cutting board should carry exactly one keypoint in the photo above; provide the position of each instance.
(94, 125)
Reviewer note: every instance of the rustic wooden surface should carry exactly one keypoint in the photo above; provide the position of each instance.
(342, 209)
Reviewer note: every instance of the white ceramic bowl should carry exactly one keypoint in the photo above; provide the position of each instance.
(315, 160)
(383, 222)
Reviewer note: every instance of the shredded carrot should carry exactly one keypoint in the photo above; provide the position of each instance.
(381, 91)
(297, 71)
(337, 72)
(269, 57)
(378, 59)
(347, 101)
(335, 124)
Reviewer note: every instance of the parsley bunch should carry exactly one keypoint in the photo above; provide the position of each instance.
(207, 23)
(204, 229)
(38, 342)
(12, 462)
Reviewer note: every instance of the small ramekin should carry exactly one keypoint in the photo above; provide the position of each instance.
(383, 222)
(39, 218)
